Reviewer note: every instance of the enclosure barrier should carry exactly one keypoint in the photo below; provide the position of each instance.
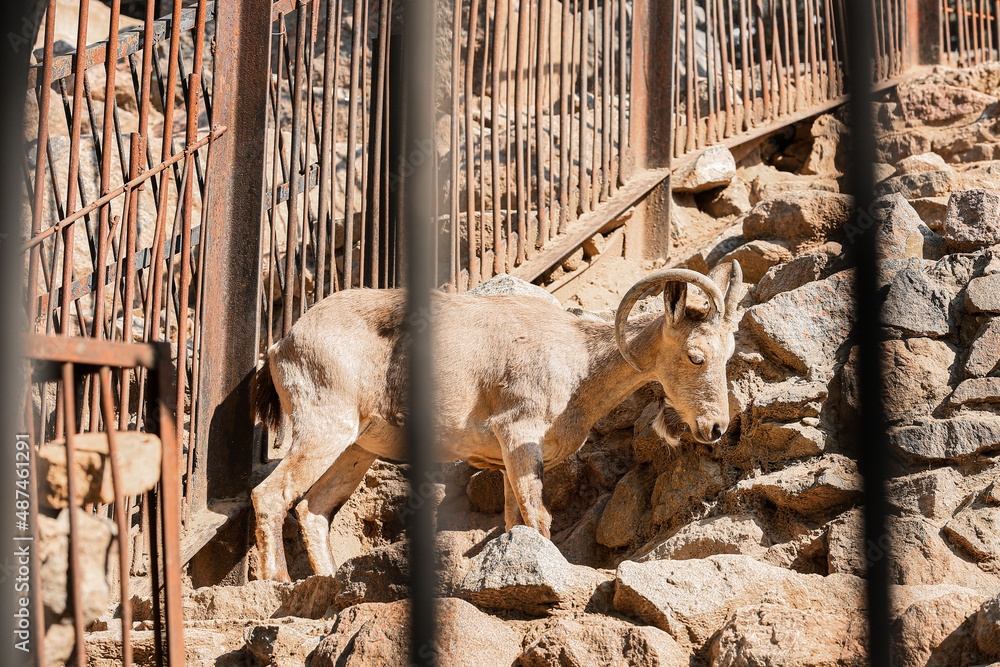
(554, 117)
(66, 358)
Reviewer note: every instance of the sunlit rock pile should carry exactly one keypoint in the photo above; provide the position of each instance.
(748, 552)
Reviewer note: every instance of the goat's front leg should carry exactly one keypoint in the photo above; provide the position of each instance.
(523, 461)
(511, 511)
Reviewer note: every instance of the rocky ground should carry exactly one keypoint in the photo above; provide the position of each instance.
(748, 552)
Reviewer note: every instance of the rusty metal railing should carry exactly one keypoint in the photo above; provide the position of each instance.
(532, 101)
(746, 67)
(160, 506)
(113, 196)
(968, 31)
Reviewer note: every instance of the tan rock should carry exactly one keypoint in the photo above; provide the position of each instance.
(727, 534)
(757, 257)
(937, 631)
(931, 493)
(923, 162)
(774, 634)
(692, 599)
(620, 523)
(812, 487)
(976, 531)
(376, 634)
(603, 642)
(801, 220)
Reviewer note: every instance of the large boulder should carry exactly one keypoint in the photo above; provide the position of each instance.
(596, 640)
(307, 598)
(976, 531)
(757, 257)
(916, 304)
(775, 634)
(937, 631)
(692, 599)
(801, 219)
(377, 634)
(803, 329)
(973, 220)
(936, 104)
(712, 168)
(984, 354)
(983, 294)
(796, 273)
(520, 570)
(620, 523)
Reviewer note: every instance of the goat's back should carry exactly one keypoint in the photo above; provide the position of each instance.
(350, 349)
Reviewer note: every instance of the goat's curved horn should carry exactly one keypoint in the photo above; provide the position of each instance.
(716, 301)
(733, 291)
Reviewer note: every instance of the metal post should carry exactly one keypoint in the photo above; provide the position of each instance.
(230, 291)
(418, 212)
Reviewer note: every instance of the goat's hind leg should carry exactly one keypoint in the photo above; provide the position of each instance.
(310, 455)
(324, 499)
(511, 510)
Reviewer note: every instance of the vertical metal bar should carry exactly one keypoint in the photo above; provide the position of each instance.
(745, 64)
(584, 105)
(470, 157)
(357, 28)
(623, 33)
(42, 142)
(873, 462)
(75, 575)
(520, 137)
(419, 202)
(453, 158)
(326, 151)
(499, 27)
(544, 200)
(241, 70)
(121, 514)
(565, 104)
(379, 212)
(288, 297)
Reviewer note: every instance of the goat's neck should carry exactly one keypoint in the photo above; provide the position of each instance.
(612, 379)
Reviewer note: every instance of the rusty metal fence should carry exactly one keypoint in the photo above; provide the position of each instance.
(968, 31)
(745, 67)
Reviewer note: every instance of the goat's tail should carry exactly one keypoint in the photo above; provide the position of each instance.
(264, 402)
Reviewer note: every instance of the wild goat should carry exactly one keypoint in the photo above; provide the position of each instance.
(520, 382)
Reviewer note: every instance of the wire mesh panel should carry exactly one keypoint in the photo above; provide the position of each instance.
(744, 67)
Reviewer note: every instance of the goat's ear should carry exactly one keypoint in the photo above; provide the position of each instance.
(674, 301)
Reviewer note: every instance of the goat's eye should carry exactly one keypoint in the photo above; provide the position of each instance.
(696, 359)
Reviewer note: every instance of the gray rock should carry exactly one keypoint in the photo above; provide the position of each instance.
(984, 354)
(916, 304)
(507, 284)
(520, 570)
(804, 328)
(898, 234)
(800, 219)
(953, 438)
(715, 166)
(812, 487)
(983, 294)
(973, 220)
